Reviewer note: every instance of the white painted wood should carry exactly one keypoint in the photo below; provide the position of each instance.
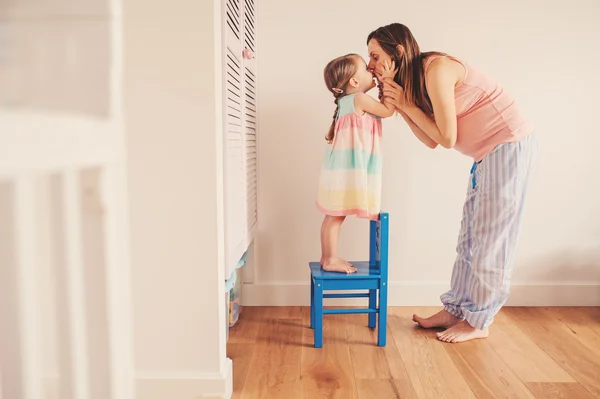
(251, 120)
(76, 298)
(115, 200)
(42, 143)
(10, 357)
(233, 135)
(240, 85)
(250, 133)
(39, 142)
(94, 260)
(118, 283)
(27, 283)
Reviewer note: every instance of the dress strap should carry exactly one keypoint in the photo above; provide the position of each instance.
(346, 105)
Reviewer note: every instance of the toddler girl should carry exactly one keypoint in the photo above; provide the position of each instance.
(350, 181)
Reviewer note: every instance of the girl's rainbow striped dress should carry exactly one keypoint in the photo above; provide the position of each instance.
(350, 180)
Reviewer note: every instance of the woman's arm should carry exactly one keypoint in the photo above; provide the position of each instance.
(418, 132)
(441, 79)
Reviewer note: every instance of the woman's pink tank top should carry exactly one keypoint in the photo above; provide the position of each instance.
(486, 115)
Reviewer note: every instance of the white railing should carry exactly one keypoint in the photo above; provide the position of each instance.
(62, 224)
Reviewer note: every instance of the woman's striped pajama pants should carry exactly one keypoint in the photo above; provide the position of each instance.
(489, 232)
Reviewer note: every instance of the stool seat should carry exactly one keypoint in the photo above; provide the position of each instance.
(363, 270)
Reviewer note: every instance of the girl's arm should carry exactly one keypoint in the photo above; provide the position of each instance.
(365, 103)
(440, 82)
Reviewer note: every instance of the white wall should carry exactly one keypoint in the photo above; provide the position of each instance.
(175, 171)
(541, 52)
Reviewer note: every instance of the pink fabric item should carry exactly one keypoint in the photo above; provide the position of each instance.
(486, 114)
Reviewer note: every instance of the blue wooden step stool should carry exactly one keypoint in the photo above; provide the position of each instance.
(371, 276)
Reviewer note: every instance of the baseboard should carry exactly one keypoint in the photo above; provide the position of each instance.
(185, 385)
(427, 294)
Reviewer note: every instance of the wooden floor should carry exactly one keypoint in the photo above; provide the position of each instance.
(542, 353)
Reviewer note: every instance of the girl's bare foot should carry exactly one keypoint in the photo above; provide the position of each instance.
(338, 260)
(462, 332)
(440, 319)
(334, 265)
(344, 261)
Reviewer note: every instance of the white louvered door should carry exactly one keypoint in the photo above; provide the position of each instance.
(240, 125)
(234, 136)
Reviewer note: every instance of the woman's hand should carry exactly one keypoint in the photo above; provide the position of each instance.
(394, 93)
(380, 89)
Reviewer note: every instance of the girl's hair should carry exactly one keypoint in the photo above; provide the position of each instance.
(411, 72)
(338, 73)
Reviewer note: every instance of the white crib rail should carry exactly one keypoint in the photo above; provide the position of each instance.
(103, 301)
(68, 253)
(73, 334)
(26, 282)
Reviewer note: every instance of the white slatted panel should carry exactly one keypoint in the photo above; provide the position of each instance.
(250, 141)
(240, 117)
(251, 127)
(234, 27)
(249, 25)
(235, 208)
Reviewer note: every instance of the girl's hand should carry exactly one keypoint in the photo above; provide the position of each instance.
(394, 93)
(388, 71)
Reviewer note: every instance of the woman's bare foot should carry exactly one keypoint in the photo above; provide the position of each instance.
(335, 265)
(440, 319)
(462, 332)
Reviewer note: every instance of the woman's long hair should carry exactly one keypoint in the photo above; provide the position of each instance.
(411, 73)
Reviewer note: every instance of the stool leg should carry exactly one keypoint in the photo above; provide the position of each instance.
(372, 305)
(381, 338)
(312, 302)
(318, 315)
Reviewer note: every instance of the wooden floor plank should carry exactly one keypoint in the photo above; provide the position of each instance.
(485, 372)
(241, 355)
(565, 390)
(245, 330)
(374, 365)
(582, 323)
(559, 342)
(327, 372)
(273, 354)
(274, 371)
(529, 362)
(593, 313)
(387, 388)
(370, 360)
(431, 370)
